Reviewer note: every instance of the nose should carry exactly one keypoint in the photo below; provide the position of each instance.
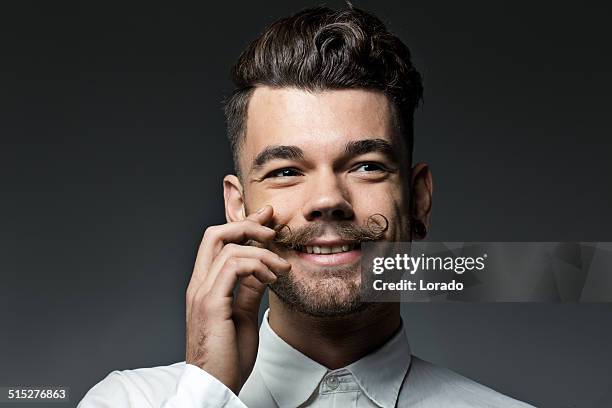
(327, 200)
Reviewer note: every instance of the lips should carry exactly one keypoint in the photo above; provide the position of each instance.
(329, 253)
(327, 249)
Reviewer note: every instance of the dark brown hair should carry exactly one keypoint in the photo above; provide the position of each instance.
(319, 49)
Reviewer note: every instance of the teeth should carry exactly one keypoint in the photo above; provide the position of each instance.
(327, 249)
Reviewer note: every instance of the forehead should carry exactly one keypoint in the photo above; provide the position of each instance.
(317, 122)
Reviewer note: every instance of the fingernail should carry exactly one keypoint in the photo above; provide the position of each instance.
(261, 210)
(283, 260)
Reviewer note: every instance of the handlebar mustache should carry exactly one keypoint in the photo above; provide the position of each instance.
(372, 229)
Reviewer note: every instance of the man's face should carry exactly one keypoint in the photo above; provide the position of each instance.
(326, 159)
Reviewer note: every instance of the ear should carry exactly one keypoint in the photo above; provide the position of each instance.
(234, 199)
(422, 189)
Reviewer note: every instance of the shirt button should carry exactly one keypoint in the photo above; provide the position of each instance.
(332, 382)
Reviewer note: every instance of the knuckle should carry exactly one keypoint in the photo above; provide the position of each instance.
(232, 263)
(230, 248)
(198, 298)
(211, 232)
(265, 255)
(189, 293)
(258, 265)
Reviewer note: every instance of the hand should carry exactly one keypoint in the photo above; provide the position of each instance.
(222, 330)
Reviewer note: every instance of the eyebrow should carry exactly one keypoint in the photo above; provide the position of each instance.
(351, 149)
(277, 152)
(359, 147)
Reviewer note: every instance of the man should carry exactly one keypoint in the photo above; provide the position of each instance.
(321, 126)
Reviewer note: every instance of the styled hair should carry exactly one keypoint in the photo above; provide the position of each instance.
(321, 49)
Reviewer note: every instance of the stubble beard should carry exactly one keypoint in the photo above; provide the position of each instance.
(328, 292)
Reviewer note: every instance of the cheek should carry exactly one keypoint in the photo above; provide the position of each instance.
(383, 198)
(379, 199)
(286, 203)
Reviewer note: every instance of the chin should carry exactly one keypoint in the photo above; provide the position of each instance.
(322, 291)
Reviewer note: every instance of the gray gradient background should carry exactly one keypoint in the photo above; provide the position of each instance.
(113, 150)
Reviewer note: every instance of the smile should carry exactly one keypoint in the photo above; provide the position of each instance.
(327, 249)
(331, 254)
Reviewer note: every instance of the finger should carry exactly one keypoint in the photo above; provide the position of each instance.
(236, 268)
(263, 215)
(272, 261)
(247, 300)
(233, 269)
(247, 229)
(253, 227)
(217, 236)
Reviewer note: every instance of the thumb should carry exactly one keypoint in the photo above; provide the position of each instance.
(263, 215)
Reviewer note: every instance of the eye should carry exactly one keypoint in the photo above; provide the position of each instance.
(285, 172)
(369, 167)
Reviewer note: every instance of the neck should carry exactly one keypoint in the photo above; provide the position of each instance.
(335, 342)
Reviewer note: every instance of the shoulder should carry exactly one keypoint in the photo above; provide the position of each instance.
(428, 385)
(138, 387)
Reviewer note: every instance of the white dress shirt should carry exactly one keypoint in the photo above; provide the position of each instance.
(285, 378)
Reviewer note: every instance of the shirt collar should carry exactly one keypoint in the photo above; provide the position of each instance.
(381, 374)
(292, 377)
